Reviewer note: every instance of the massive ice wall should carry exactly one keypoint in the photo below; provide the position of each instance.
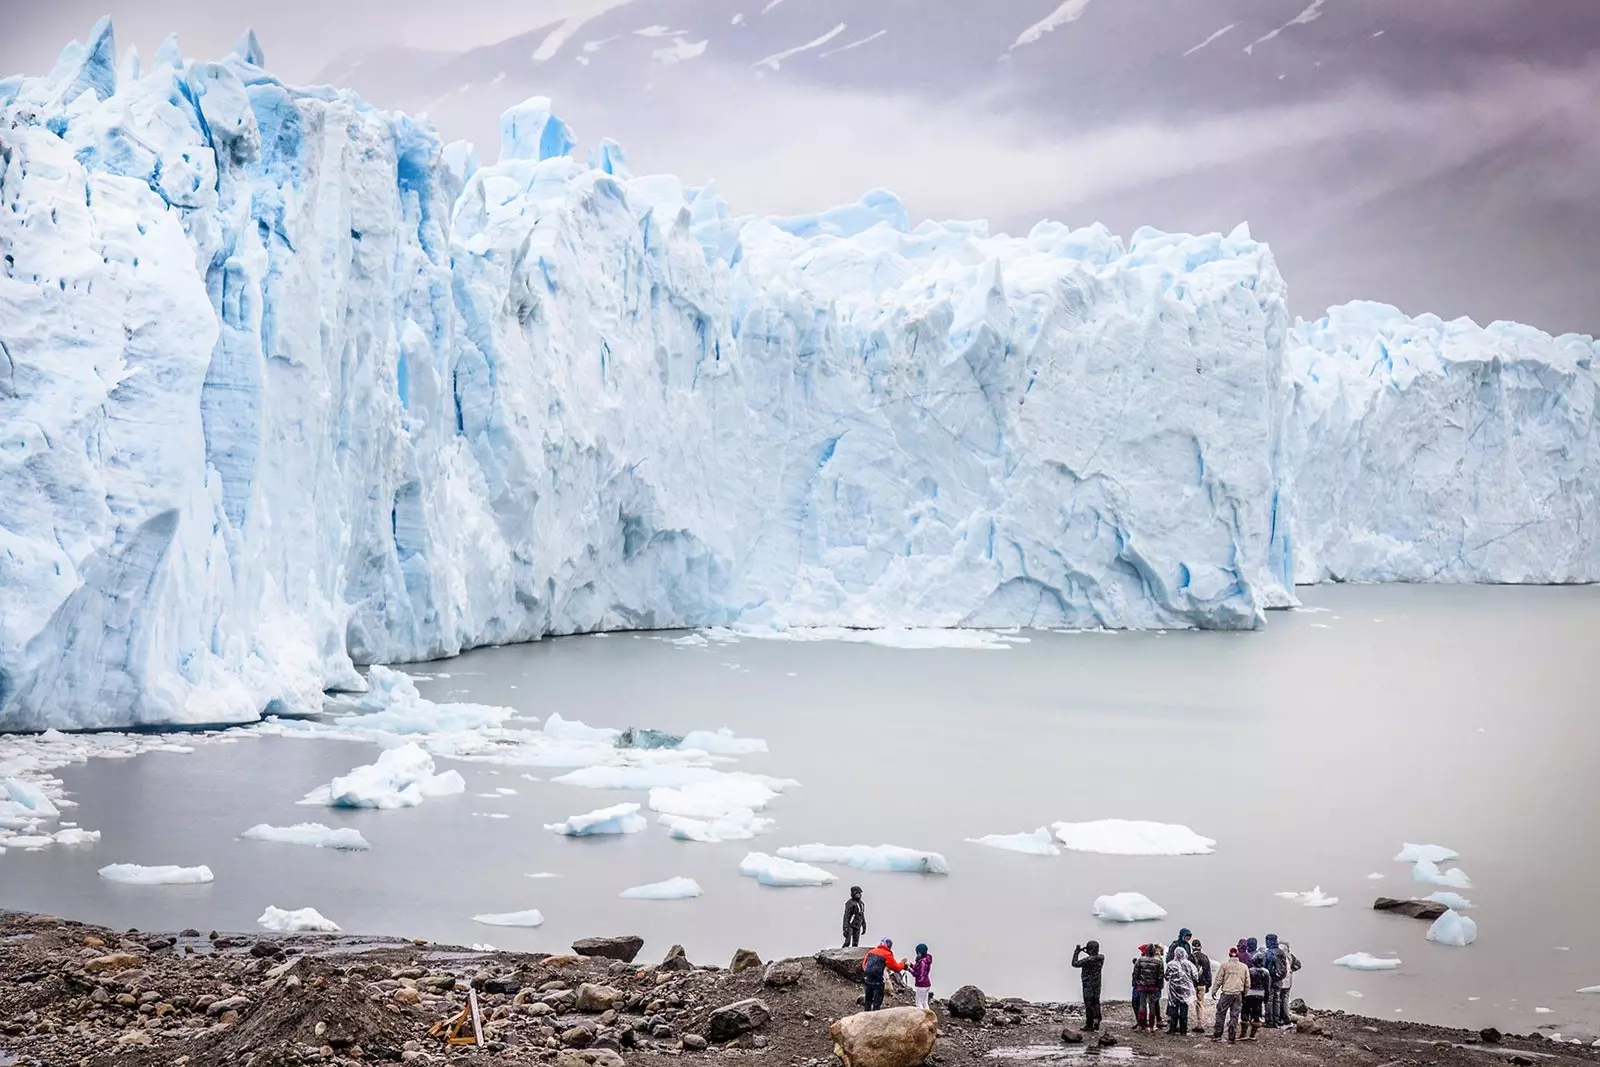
(284, 386)
(1430, 451)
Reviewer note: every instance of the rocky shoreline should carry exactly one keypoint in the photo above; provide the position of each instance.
(78, 995)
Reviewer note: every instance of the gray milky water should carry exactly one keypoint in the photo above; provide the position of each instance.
(1311, 751)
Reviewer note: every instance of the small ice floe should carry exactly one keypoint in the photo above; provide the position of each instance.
(542, 874)
(1365, 961)
(1354, 993)
(1124, 837)
(1542, 1011)
(881, 858)
(1374, 877)
(1590, 989)
(1311, 898)
(736, 826)
(311, 834)
(75, 836)
(1453, 928)
(392, 705)
(133, 874)
(505, 791)
(1427, 872)
(1038, 843)
(1127, 908)
(527, 919)
(1410, 853)
(774, 871)
(490, 815)
(714, 797)
(721, 743)
(1449, 900)
(400, 778)
(302, 920)
(617, 819)
(671, 889)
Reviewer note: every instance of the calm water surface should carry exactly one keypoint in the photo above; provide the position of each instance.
(1310, 751)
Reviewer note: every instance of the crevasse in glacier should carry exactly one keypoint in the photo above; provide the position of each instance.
(285, 386)
(1430, 451)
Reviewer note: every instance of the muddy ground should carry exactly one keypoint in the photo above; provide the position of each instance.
(75, 995)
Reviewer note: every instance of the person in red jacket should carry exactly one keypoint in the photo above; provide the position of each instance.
(874, 969)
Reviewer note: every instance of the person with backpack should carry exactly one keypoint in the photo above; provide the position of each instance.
(874, 969)
(922, 976)
(1233, 981)
(1291, 964)
(1149, 975)
(855, 918)
(1277, 969)
(1256, 996)
(1202, 984)
(1181, 975)
(1090, 963)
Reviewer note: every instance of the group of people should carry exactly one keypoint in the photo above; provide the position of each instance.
(1252, 984)
(1250, 988)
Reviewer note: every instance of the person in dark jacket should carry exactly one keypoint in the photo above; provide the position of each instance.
(1149, 975)
(855, 918)
(874, 970)
(1277, 964)
(1202, 984)
(1182, 942)
(1255, 951)
(1090, 963)
(1255, 998)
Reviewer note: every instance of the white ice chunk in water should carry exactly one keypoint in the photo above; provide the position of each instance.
(774, 871)
(1426, 872)
(1123, 837)
(711, 799)
(671, 889)
(617, 819)
(527, 919)
(1590, 989)
(1038, 843)
(312, 834)
(1311, 898)
(542, 874)
(31, 797)
(883, 858)
(300, 920)
(1410, 853)
(134, 874)
(400, 778)
(573, 730)
(722, 743)
(393, 705)
(1453, 928)
(1449, 900)
(735, 826)
(1374, 877)
(74, 836)
(1127, 908)
(1365, 961)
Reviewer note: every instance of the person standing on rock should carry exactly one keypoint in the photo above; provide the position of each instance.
(1149, 975)
(1232, 982)
(1090, 963)
(922, 976)
(874, 969)
(1202, 984)
(855, 918)
(1181, 975)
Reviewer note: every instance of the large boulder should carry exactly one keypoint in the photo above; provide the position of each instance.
(743, 960)
(1416, 909)
(676, 960)
(844, 962)
(611, 948)
(591, 1057)
(740, 1017)
(968, 1002)
(781, 973)
(596, 998)
(893, 1037)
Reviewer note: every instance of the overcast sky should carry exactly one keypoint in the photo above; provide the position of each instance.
(1442, 155)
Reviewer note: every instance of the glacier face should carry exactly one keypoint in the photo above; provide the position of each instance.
(285, 386)
(1430, 451)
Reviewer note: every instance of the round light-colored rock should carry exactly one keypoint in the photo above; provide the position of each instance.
(589, 1057)
(743, 960)
(894, 1037)
(781, 973)
(596, 998)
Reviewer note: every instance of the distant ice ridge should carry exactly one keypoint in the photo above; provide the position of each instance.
(288, 387)
(134, 874)
(1429, 451)
(301, 920)
(400, 778)
(314, 834)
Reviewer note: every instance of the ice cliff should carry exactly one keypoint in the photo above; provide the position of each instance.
(286, 386)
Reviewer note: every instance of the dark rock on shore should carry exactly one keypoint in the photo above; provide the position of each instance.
(676, 960)
(740, 1017)
(968, 1002)
(624, 949)
(844, 962)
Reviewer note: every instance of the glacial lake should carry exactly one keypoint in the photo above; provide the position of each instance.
(1463, 716)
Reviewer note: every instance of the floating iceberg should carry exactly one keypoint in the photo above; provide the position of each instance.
(1127, 908)
(617, 819)
(869, 857)
(1038, 843)
(529, 918)
(1449, 900)
(133, 874)
(1311, 898)
(541, 874)
(1122, 837)
(1363, 961)
(722, 743)
(1410, 853)
(1426, 872)
(393, 705)
(775, 871)
(30, 798)
(1453, 928)
(1590, 989)
(726, 794)
(671, 889)
(313, 834)
(735, 826)
(400, 778)
(75, 836)
(301, 920)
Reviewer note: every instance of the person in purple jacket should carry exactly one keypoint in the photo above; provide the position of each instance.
(921, 976)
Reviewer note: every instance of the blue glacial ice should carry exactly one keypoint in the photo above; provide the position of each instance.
(783, 873)
(617, 819)
(1127, 908)
(1132, 837)
(1449, 900)
(883, 858)
(1426, 872)
(526, 919)
(1410, 853)
(399, 778)
(164, 874)
(311, 834)
(1039, 843)
(671, 889)
(1453, 928)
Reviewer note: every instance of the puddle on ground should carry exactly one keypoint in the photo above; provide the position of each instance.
(1055, 1053)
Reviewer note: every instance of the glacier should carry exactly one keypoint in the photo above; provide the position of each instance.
(287, 386)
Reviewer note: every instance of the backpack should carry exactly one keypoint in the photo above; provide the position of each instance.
(873, 967)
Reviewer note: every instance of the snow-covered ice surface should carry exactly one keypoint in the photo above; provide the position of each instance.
(1038, 843)
(884, 858)
(671, 889)
(1363, 961)
(617, 819)
(776, 871)
(300, 920)
(1311, 898)
(1127, 908)
(134, 874)
(1421, 450)
(314, 834)
(400, 778)
(527, 919)
(1453, 928)
(735, 826)
(1123, 837)
(538, 397)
